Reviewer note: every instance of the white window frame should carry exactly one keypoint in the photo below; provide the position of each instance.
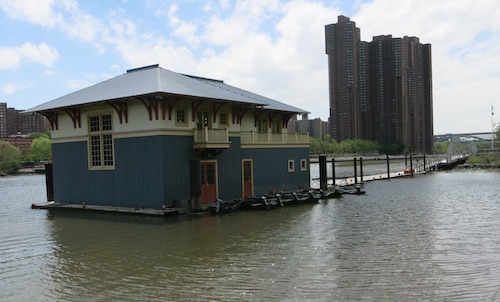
(180, 123)
(291, 165)
(226, 124)
(303, 165)
(100, 141)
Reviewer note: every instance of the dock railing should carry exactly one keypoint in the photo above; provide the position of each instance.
(413, 164)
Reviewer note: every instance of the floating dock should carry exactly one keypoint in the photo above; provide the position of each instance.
(107, 209)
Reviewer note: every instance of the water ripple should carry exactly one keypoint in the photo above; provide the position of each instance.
(427, 238)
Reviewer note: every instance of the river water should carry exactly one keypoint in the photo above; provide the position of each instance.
(433, 237)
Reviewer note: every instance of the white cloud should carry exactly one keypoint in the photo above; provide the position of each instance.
(12, 57)
(64, 15)
(49, 73)
(78, 84)
(465, 38)
(36, 12)
(287, 64)
(41, 53)
(182, 29)
(10, 88)
(139, 49)
(276, 48)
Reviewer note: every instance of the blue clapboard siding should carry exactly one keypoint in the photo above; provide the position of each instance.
(149, 172)
(154, 171)
(270, 168)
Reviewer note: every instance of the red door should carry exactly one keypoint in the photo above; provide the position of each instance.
(247, 178)
(208, 182)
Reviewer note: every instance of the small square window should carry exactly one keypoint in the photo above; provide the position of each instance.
(291, 165)
(303, 165)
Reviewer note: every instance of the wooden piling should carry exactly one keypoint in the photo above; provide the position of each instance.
(323, 178)
(361, 168)
(333, 171)
(355, 171)
(411, 165)
(388, 168)
(49, 182)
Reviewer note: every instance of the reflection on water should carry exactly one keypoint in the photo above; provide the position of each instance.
(432, 237)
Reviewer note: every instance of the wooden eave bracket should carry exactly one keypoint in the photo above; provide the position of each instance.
(286, 118)
(271, 117)
(217, 107)
(52, 118)
(152, 107)
(194, 107)
(239, 111)
(121, 109)
(167, 106)
(258, 114)
(75, 115)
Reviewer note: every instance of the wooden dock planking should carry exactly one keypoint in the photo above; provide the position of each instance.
(107, 209)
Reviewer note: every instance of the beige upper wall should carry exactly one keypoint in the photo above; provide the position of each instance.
(139, 123)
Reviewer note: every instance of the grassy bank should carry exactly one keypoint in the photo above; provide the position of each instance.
(487, 160)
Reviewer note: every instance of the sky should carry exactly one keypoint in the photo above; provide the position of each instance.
(276, 48)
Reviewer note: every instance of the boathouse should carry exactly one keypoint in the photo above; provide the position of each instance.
(152, 137)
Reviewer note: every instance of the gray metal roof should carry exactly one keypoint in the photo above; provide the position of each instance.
(154, 79)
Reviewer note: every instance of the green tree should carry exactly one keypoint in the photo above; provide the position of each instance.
(441, 147)
(395, 148)
(35, 135)
(10, 156)
(497, 136)
(41, 149)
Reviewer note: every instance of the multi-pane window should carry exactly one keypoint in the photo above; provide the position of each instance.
(202, 119)
(180, 117)
(101, 141)
(223, 119)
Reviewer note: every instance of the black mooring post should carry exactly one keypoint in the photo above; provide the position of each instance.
(355, 172)
(49, 182)
(424, 162)
(388, 169)
(333, 171)
(411, 165)
(361, 168)
(323, 180)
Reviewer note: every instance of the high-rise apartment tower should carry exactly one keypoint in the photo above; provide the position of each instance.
(342, 41)
(379, 90)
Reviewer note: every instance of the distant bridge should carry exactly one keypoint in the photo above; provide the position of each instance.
(464, 137)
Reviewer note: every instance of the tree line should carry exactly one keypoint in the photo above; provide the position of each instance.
(328, 146)
(11, 157)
